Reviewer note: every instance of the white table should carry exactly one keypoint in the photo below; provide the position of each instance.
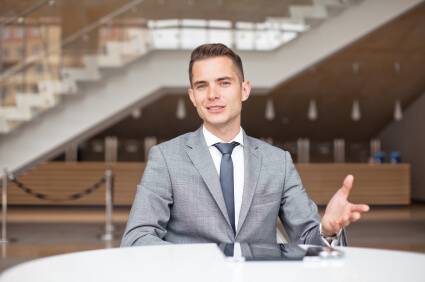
(206, 263)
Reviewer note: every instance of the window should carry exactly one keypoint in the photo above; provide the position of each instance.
(20, 72)
(105, 32)
(34, 88)
(38, 68)
(6, 33)
(35, 50)
(4, 92)
(19, 52)
(5, 53)
(35, 31)
(19, 32)
(19, 89)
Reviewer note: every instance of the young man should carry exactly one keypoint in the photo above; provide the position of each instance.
(194, 191)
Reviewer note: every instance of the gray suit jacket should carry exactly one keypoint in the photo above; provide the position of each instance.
(179, 199)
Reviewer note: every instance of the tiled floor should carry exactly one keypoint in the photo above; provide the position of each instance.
(46, 231)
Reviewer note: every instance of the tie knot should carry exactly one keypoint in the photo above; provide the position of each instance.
(226, 148)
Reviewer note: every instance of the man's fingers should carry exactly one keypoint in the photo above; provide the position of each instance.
(345, 220)
(359, 208)
(346, 186)
(348, 183)
(355, 216)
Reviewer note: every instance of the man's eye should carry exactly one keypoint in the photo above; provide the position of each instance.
(225, 83)
(201, 86)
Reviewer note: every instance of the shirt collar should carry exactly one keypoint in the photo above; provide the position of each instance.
(211, 139)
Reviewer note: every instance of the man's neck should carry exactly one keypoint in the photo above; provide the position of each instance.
(224, 133)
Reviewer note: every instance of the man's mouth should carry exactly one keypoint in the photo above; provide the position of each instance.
(214, 108)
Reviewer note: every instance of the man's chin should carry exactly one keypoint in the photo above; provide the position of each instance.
(214, 124)
(219, 122)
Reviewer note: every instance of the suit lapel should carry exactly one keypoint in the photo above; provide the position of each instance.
(252, 164)
(198, 152)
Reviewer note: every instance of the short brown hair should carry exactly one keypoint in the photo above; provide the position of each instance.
(207, 51)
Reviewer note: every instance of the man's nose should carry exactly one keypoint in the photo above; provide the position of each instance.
(213, 93)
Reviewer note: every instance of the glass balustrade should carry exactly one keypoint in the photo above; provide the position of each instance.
(26, 37)
(44, 55)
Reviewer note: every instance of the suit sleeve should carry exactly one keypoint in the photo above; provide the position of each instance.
(150, 212)
(298, 212)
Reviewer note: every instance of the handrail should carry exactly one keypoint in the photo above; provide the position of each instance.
(17, 19)
(26, 12)
(35, 58)
(101, 21)
(11, 10)
(15, 69)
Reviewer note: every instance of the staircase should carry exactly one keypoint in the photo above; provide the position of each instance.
(133, 73)
(139, 41)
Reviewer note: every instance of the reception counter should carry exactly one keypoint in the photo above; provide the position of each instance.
(384, 184)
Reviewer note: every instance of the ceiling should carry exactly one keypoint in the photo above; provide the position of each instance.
(234, 10)
(332, 83)
(77, 14)
(335, 85)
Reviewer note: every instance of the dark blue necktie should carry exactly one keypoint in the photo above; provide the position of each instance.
(226, 179)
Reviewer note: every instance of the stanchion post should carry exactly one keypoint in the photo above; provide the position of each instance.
(109, 206)
(4, 239)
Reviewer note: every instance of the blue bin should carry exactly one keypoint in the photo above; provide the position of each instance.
(380, 157)
(395, 157)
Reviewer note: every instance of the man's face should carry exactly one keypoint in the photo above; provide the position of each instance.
(218, 94)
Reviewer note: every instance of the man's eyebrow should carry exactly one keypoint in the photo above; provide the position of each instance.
(225, 78)
(199, 82)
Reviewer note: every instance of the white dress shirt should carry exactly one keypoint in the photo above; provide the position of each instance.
(238, 165)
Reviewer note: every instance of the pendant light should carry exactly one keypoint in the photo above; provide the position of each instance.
(270, 113)
(398, 112)
(136, 114)
(356, 114)
(181, 109)
(312, 110)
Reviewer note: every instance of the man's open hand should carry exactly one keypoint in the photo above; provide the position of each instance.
(339, 212)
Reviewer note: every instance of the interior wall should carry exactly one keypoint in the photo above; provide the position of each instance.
(408, 137)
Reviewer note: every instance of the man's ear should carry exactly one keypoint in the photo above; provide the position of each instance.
(246, 90)
(192, 98)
